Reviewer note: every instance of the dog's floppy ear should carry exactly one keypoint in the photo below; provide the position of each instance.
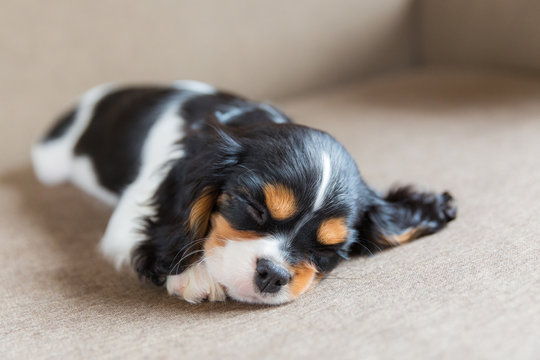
(403, 215)
(184, 202)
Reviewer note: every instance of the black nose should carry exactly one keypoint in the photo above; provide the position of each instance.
(270, 277)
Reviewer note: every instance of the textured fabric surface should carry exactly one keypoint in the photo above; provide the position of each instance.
(469, 292)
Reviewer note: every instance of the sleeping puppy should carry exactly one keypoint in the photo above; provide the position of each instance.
(218, 196)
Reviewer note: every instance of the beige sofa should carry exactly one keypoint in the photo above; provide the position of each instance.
(439, 93)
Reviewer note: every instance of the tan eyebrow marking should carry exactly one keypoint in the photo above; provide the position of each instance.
(280, 201)
(332, 231)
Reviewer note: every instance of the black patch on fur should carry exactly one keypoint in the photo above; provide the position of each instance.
(213, 151)
(238, 161)
(169, 247)
(61, 126)
(117, 131)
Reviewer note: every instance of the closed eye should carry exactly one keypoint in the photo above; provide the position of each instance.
(257, 214)
(254, 210)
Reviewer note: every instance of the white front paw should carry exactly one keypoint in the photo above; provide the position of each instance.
(195, 285)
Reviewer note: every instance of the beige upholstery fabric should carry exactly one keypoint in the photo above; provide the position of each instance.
(495, 33)
(51, 51)
(469, 292)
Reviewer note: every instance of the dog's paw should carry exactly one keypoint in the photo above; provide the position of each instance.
(195, 284)
(446, 208)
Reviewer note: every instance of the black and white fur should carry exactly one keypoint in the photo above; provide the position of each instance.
(160, 154)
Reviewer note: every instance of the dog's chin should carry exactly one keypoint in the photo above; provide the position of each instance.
(198, 284)
(245, 291)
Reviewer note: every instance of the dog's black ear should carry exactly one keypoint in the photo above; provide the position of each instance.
(403, 215)
(184, 203)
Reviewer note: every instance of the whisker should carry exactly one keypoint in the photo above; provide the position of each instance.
(177, 266)
(186, 254)
(186, 247)
(373, 243)
(365, 247)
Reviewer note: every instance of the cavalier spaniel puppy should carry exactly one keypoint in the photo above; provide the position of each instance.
(220, 196)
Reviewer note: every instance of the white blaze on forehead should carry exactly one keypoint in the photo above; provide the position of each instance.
(325, 181)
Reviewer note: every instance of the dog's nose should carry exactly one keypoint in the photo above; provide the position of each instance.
(270, 277)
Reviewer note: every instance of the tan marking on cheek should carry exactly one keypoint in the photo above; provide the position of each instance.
(280, 201)
(222, 231)
(302, 279)
(199, 216)
(213, 242)
(332, 231)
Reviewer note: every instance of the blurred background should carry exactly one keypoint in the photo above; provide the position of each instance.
(53, 51)
(444, 93)
(50, 52)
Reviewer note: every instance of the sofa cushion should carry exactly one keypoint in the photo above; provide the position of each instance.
(470, 291)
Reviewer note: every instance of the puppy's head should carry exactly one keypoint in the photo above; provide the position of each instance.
(276, 213)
